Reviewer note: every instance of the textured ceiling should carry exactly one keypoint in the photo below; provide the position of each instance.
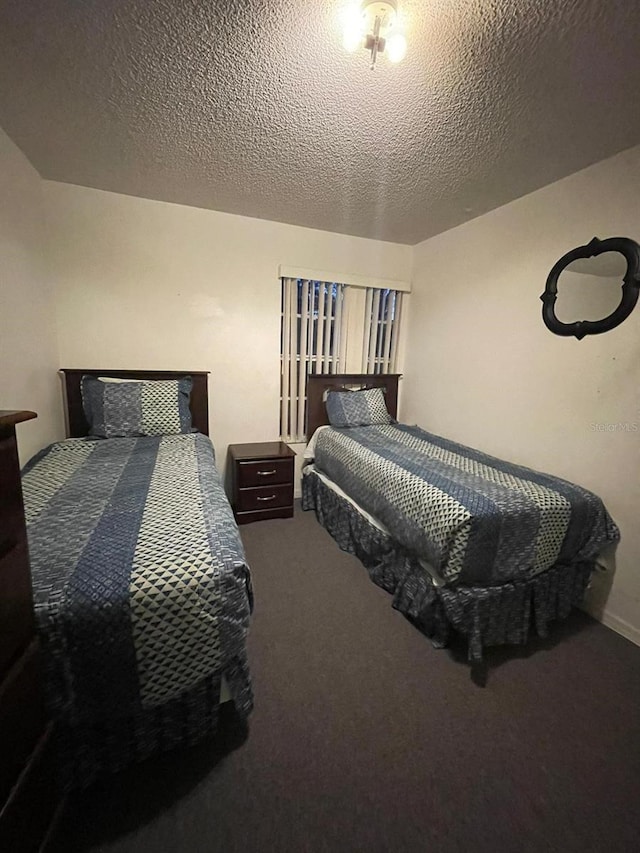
(254, 108)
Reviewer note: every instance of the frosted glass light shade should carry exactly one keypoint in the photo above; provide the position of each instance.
(375, 26)
(396, 46)
(353, 28)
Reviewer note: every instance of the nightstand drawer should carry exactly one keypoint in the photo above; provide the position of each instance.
(265, 473)
(267, 497)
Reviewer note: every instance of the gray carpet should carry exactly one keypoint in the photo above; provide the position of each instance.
(365, 738)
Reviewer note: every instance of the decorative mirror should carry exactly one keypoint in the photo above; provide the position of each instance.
(590, 279)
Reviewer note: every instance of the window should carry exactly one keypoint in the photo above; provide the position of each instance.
(328, 327)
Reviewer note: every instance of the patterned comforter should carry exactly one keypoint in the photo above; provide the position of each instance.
(140, 583)
(476, 519)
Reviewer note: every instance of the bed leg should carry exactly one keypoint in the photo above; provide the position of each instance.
(479, 669)
(479, 673)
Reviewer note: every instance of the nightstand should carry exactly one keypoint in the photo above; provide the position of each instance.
(262, 477)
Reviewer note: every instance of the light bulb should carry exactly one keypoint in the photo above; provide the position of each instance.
(353, 28)
(396, 46)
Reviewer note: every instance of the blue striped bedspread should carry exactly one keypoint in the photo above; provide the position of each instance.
(476, 519)
(140, 582)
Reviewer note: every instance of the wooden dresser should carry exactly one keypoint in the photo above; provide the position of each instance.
(262, 480)
(28, 797)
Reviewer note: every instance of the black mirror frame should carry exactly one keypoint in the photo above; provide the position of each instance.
(630, 288)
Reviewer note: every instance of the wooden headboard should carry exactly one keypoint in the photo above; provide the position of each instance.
(319, 383)
(76, 423)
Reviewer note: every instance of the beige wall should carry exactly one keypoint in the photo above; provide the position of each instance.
(145, 284)
(482, 368)
(28, 348)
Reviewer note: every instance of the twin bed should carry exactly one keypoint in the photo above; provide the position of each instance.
(141, 588)
(463, 541)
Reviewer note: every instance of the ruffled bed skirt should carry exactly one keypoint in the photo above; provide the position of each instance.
(88, 751)
(487, 616)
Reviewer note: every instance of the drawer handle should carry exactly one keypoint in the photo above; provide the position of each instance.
(266, 473)
(270, 498)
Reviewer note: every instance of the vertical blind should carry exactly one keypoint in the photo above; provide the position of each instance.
(381, 330)
(313, 341)
(317, 319)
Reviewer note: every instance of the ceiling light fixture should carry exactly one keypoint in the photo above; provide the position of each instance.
(373, 24)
